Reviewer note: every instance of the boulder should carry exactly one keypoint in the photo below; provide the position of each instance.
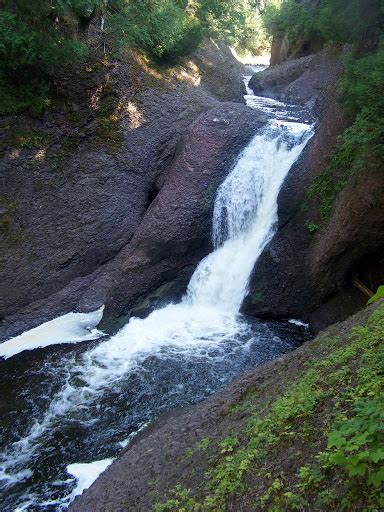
(299, 80)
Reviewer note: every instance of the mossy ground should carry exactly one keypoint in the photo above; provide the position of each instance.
(314, 442)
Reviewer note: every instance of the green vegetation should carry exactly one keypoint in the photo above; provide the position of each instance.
(312, 228)
(237, 22)
(378, 295)
(332, 414)
(33, 50)
(297, 20)
(162, 28)
(356, 444)
(28, 139)
(362, 143)
(362, 83)
(328, 20)
(42, 40)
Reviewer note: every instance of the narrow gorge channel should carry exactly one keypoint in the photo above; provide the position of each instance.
(73, 408)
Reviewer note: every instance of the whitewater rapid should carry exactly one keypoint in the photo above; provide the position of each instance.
(207, 318)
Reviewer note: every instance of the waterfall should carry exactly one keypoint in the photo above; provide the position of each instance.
(244, 217)
(244, 221)
(245, 214)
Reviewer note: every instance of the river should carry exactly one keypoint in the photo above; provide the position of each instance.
(69, 407)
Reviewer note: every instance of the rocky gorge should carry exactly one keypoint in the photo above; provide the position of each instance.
(103, 256)
(129, 200)
(196, 459)
(315, 281)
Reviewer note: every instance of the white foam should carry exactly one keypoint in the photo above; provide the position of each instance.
(9, 480)
(24, 506)
(298, 322)
(86, 474)
(125, 442)
(69, 328)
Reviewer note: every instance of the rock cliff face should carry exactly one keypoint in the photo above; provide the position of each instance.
(90, 189)
(306, 275)
(282, 49)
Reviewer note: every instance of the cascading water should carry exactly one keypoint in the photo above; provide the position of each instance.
(244, 217)
(203, 333)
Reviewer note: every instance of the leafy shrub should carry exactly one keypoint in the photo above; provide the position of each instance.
(346, 21)
(32, 51)
(167, 29)
(297, 20)
(13, 98)
(363, 102)
(357, 442)
(160, 27)
(328, 20)
(224, 19)
(362, 143)
(23, 50)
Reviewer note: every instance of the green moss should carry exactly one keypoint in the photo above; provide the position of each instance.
(30, 140)
(204, 444)
(312, 227)
(57, 156)
(325, 189)
(378, 295)
(20, 136)
(189, 453)
(108, 128)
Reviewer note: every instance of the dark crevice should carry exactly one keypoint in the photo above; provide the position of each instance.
(152, 194)
(369, 270)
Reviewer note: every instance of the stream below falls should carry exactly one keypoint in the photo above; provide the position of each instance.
(68, 409)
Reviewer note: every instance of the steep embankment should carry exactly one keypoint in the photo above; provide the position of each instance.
(265, 441)
(308, 268)
(103, 197)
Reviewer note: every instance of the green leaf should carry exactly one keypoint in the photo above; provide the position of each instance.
(335, 439)
(337, 458)
(376, 478)
(377, 455)
(379, 293)
(358, 470)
